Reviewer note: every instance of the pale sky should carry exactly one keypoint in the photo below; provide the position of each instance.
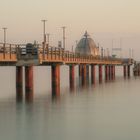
(103, 19)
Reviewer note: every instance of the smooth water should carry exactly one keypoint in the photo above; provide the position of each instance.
(107, 111)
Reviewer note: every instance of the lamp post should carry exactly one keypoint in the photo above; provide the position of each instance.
(4, 37)
(4, 40)
(48, 38)
(44, 37)
(63, 28)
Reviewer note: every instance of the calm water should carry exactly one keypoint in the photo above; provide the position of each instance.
(108, 111)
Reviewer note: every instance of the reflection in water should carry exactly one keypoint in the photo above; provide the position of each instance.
(55, 97)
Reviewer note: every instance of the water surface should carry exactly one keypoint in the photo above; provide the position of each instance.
(107, 111)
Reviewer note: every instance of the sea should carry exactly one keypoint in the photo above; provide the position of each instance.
(104, 111)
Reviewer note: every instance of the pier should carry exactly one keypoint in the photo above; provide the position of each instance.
(13, 55)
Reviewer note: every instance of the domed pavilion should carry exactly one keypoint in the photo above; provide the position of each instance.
(87, 46)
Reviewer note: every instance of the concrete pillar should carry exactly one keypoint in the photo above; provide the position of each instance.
(55, 79)
(71, 77)
(100, 73)
(124, 70)
(128, 70)
(29, 83)
(19, 82)
(84, 74)
(93, 74)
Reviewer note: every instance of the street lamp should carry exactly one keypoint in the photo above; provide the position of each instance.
(4, 38)
(44, 38)
(63, 28)
(48, 38)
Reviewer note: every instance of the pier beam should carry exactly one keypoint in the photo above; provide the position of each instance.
(93, 74)
(55, 79)
(71, 76)
(124, 70)
(84, 74)
(19, 82)
(100, 73)
(29, 83)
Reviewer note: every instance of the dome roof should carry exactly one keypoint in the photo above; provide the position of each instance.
(86, 46)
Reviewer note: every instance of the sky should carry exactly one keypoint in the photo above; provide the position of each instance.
(105, 20)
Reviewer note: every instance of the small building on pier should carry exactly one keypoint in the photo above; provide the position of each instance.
(87, 46)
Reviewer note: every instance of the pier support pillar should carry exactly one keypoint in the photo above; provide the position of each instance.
(100, 73)
(71, 77)
(93, 74)
(19, 82)
(128, 70)
(124, 70)
(106, 72)
(138, 72)
(80, 70)
(84, 74)
(87, 74)
(29, 83)
(109, 72)
(114, 71)
(55, 79)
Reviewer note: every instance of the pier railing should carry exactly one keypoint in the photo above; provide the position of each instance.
(53, 54)
(11, 53)
(8, 52)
